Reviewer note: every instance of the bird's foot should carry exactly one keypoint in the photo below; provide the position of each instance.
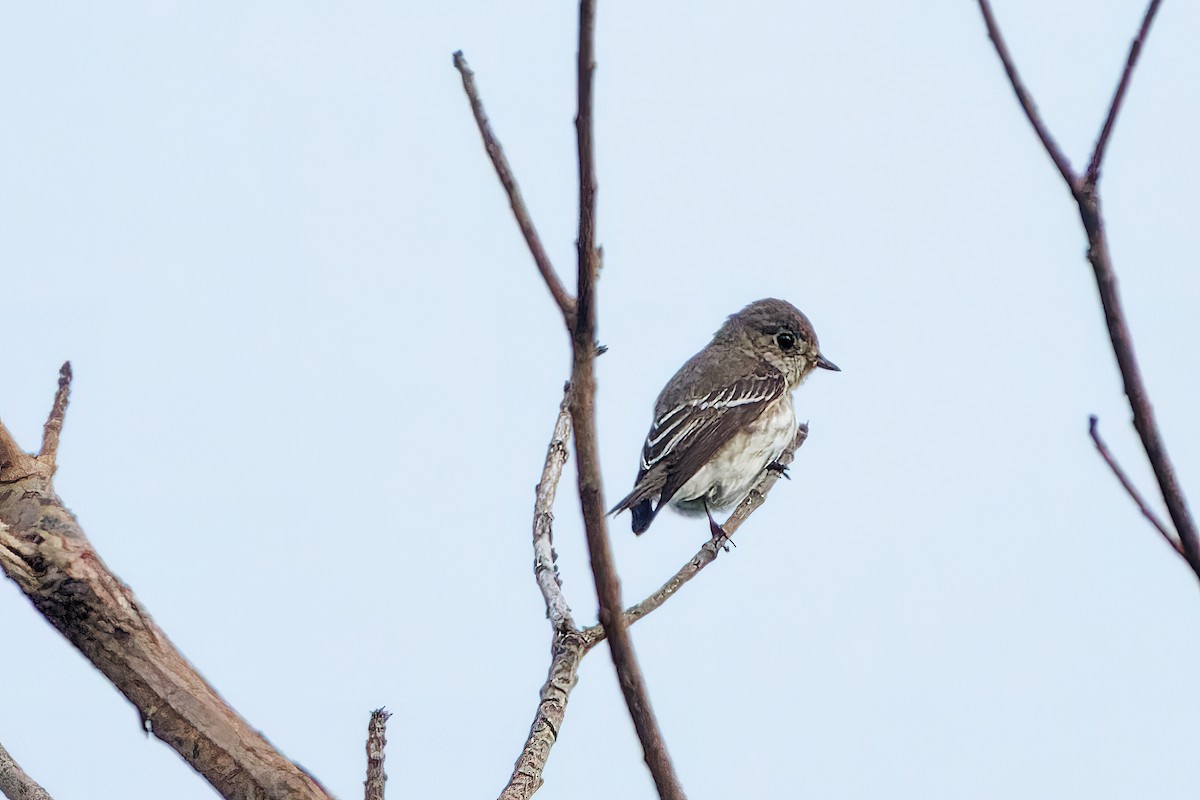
(779, 469)
(718, 535)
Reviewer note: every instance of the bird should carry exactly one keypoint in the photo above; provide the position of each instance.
(726, 416)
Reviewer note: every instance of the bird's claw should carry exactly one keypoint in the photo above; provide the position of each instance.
(779, 469)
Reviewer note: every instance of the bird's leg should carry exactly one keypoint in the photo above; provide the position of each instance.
(775, 466)
(718, 533)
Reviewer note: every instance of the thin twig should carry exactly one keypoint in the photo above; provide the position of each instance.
(15, 783)
(565, 302)
(1114, 108)
(608, 587)
(373, 786)
(1026, 101)
(709, 551)
(1094, 431)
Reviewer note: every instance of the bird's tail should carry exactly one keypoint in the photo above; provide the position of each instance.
(641, 508)
(643, 515)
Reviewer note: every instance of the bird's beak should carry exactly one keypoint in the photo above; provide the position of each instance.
(825, 363)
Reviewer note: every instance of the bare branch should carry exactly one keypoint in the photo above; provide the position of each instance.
(566, 648)
(15, 783)
(565, 302)
(707, 553)
(1026, 101)
(1114, 108)
(1088, 199)
(376, 743)
(44, 551)
(545, 565)
(567, 651)
(1135, 386)
(1094, 431)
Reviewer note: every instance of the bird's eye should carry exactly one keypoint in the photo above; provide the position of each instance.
(785, 340)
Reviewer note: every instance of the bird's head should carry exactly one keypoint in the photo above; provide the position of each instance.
(781, 335)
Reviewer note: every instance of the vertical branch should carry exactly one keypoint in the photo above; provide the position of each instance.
(608, 587)
(376, 743)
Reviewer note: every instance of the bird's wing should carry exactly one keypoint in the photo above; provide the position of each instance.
(685, 436)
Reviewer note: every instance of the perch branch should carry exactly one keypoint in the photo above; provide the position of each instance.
(1087, 198)
(45, 552)
(566, 303)
(15, 783)
(707, 554)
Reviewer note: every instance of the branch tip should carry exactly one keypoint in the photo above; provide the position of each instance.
(1135, 50)
(1171, 538)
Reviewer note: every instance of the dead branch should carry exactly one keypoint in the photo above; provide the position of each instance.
(376, 743)
(1086, 193)
(15, 783)
(45, 552)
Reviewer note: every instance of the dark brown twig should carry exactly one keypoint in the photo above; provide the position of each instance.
(566, 303)
(1087, 198)
(15, 783)
(1114, 108)
(608, 588)
(1143, 506)
(373, 786)
(1026, 101)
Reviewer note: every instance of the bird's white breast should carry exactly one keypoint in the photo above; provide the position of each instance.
(732, 472)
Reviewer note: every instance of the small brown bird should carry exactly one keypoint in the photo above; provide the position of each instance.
(726, 416)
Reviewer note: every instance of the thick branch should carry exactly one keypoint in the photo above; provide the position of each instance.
(373, 786)
(44, 551)
(15, 783)
(565, 302)
(708, 552)
(591, 495)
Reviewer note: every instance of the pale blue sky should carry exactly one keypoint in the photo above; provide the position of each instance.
(317, 372)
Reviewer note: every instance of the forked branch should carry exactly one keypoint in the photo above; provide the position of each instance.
(1085, 190)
